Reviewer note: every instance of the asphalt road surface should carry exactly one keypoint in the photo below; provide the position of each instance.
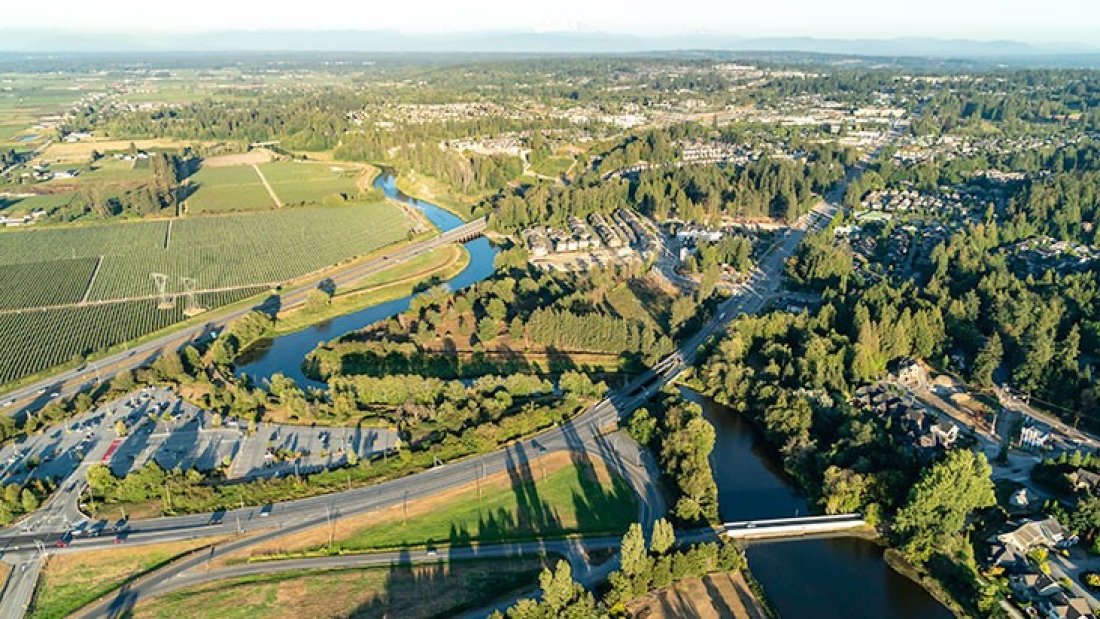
(582, 436)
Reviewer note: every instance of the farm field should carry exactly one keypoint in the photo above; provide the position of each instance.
(43, 339)
(68, 280)
(308, 183)
(233, 188)
(230, 256)
(231, 250)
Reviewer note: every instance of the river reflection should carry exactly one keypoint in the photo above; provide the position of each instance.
(285, 353)
(841, 578)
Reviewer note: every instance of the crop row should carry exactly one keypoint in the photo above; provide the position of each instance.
(35, 341)
(235, 250)
(37, 284)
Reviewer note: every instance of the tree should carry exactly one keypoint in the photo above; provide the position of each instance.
(561, 597)
(487, 329)
(29, 501)
(634, 560)
(120, 428)
(987, 361)
(642, 427)
(663, 537)
(941, 500)
(317, 300)
(100, 479)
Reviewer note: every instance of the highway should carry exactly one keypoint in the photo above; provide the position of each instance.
(583, 436)
(69, 382)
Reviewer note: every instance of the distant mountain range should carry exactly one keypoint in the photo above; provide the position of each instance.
(512, 42)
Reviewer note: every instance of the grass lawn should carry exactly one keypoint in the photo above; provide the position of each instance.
(570, 500)
(422, 591)
(72, 581)
(310, 183)
(553, 166)
(236, 188)
(553, 499)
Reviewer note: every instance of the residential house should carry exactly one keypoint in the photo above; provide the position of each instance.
(1084, 481)
(1062, 606)
(1033, 587)
(1047, 533)
(945, 433)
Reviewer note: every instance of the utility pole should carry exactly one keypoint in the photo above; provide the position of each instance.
(480, 472)
(405, 508)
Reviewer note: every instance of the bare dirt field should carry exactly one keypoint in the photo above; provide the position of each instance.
(717, 596)
(252, 157)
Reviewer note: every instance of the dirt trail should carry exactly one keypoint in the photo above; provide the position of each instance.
(267, 185)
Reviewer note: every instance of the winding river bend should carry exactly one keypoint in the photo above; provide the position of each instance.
(841, 578)
(284, 354)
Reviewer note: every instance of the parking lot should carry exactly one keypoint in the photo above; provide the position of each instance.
(176, 434)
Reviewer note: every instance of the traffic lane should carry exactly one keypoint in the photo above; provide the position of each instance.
(19, 588)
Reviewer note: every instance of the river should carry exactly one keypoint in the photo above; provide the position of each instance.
(842, 578)
(285, 354)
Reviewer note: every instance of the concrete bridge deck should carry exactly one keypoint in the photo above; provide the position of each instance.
(792, 527)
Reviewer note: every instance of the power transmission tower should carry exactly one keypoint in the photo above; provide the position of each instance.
(192, 307)
(166, 301)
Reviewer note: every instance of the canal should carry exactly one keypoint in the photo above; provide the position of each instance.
(824, 578)
(837, 578)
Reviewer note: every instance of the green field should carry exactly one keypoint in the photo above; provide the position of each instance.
(234, 188)
(43, 339)
(68, 279)
(426, 591)
(568, 500)
(553, 166)
(10, 205)
(70, 582)
(49, 266)
(299, 183)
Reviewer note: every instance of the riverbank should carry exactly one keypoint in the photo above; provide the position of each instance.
(925, 579)
(421, 187)
(395, 282)
(722, 594)
(836, 577)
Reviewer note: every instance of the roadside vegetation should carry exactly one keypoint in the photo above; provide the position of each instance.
(71, 581)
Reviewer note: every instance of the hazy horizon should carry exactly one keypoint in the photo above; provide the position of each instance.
(1071, 23)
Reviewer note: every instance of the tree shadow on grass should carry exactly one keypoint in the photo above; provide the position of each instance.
(441, 590)
(599, 509)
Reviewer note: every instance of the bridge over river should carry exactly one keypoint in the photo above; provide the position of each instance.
(792, 527)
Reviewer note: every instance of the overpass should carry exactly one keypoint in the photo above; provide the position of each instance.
(792, 527)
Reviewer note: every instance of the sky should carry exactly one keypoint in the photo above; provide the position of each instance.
(1030, 21)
